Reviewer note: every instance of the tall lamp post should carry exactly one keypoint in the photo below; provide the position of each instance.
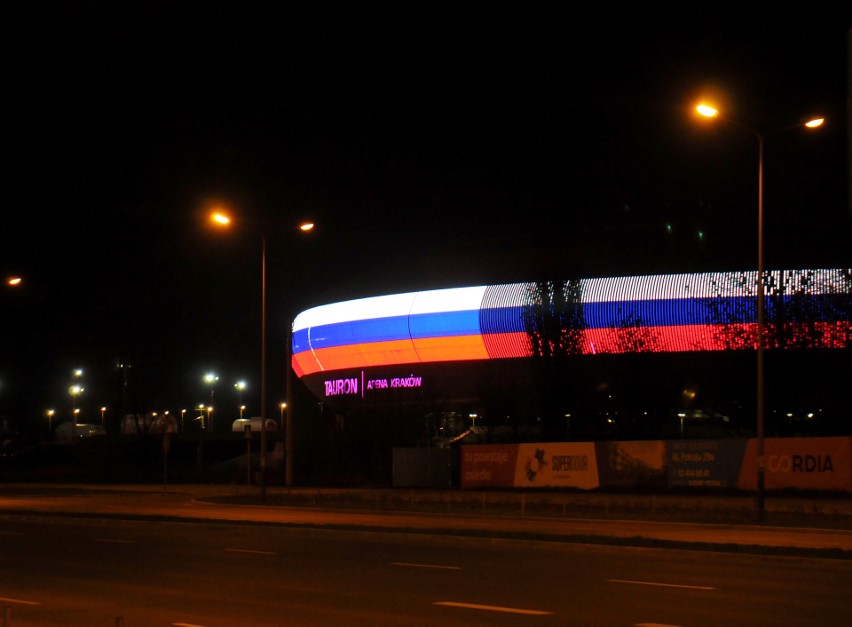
(220, 218)
(210, 379)
(288, 429)
(240, 386)
(709, 111)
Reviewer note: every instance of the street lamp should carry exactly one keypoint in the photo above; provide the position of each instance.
(50, 413)
(282, 406)
(103, 411)
(240, 386)
(210, 379)
(221, 219)
(75, 390)
(710, 111)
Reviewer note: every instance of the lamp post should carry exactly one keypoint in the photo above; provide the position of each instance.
(75, 390)
(50, 413)
(709, 111)
(210, 379)
(288, 429)
(219, 218)
(240, 386)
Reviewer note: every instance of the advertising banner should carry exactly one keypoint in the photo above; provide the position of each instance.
(800, 463)
(557, 464)
(631, 463)
(705, 463)
(488, 465)
(562, 465)
(790, 463)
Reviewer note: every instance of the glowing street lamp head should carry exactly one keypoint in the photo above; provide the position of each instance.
(707, 111)
(13, 281)
(815, 123)
(219, 218)
(306, 226)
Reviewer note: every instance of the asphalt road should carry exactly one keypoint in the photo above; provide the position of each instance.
(62, 571)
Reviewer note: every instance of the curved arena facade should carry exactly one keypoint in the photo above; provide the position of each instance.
(498, 343)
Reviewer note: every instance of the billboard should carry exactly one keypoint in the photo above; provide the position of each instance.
(822, 464)
(714, 311)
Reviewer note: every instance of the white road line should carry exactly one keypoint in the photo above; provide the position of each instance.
(661, 585)
(654, 625)
(187, 625)
(18, 601)
(410, 565)
(115, 541)
(493, 608)
(251, 551)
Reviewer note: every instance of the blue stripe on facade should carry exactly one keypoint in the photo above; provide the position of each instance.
(645, 313)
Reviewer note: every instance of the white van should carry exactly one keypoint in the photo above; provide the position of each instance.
(240, 425)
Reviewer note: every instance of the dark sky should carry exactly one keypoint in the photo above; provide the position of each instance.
(433, 147)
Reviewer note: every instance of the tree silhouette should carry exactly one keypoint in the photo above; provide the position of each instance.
(632, 336)
(553, 321)
(553, 318)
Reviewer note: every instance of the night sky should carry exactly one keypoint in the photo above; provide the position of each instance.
(432, 146)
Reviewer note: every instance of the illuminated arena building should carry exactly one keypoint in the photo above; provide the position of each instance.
(629, 353)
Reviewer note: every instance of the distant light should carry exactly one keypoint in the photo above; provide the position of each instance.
(220, 218)
(816, 122)
(306, 226)
(13, 281)
(707, 111)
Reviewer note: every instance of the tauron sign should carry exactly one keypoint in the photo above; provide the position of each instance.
(352, 386)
